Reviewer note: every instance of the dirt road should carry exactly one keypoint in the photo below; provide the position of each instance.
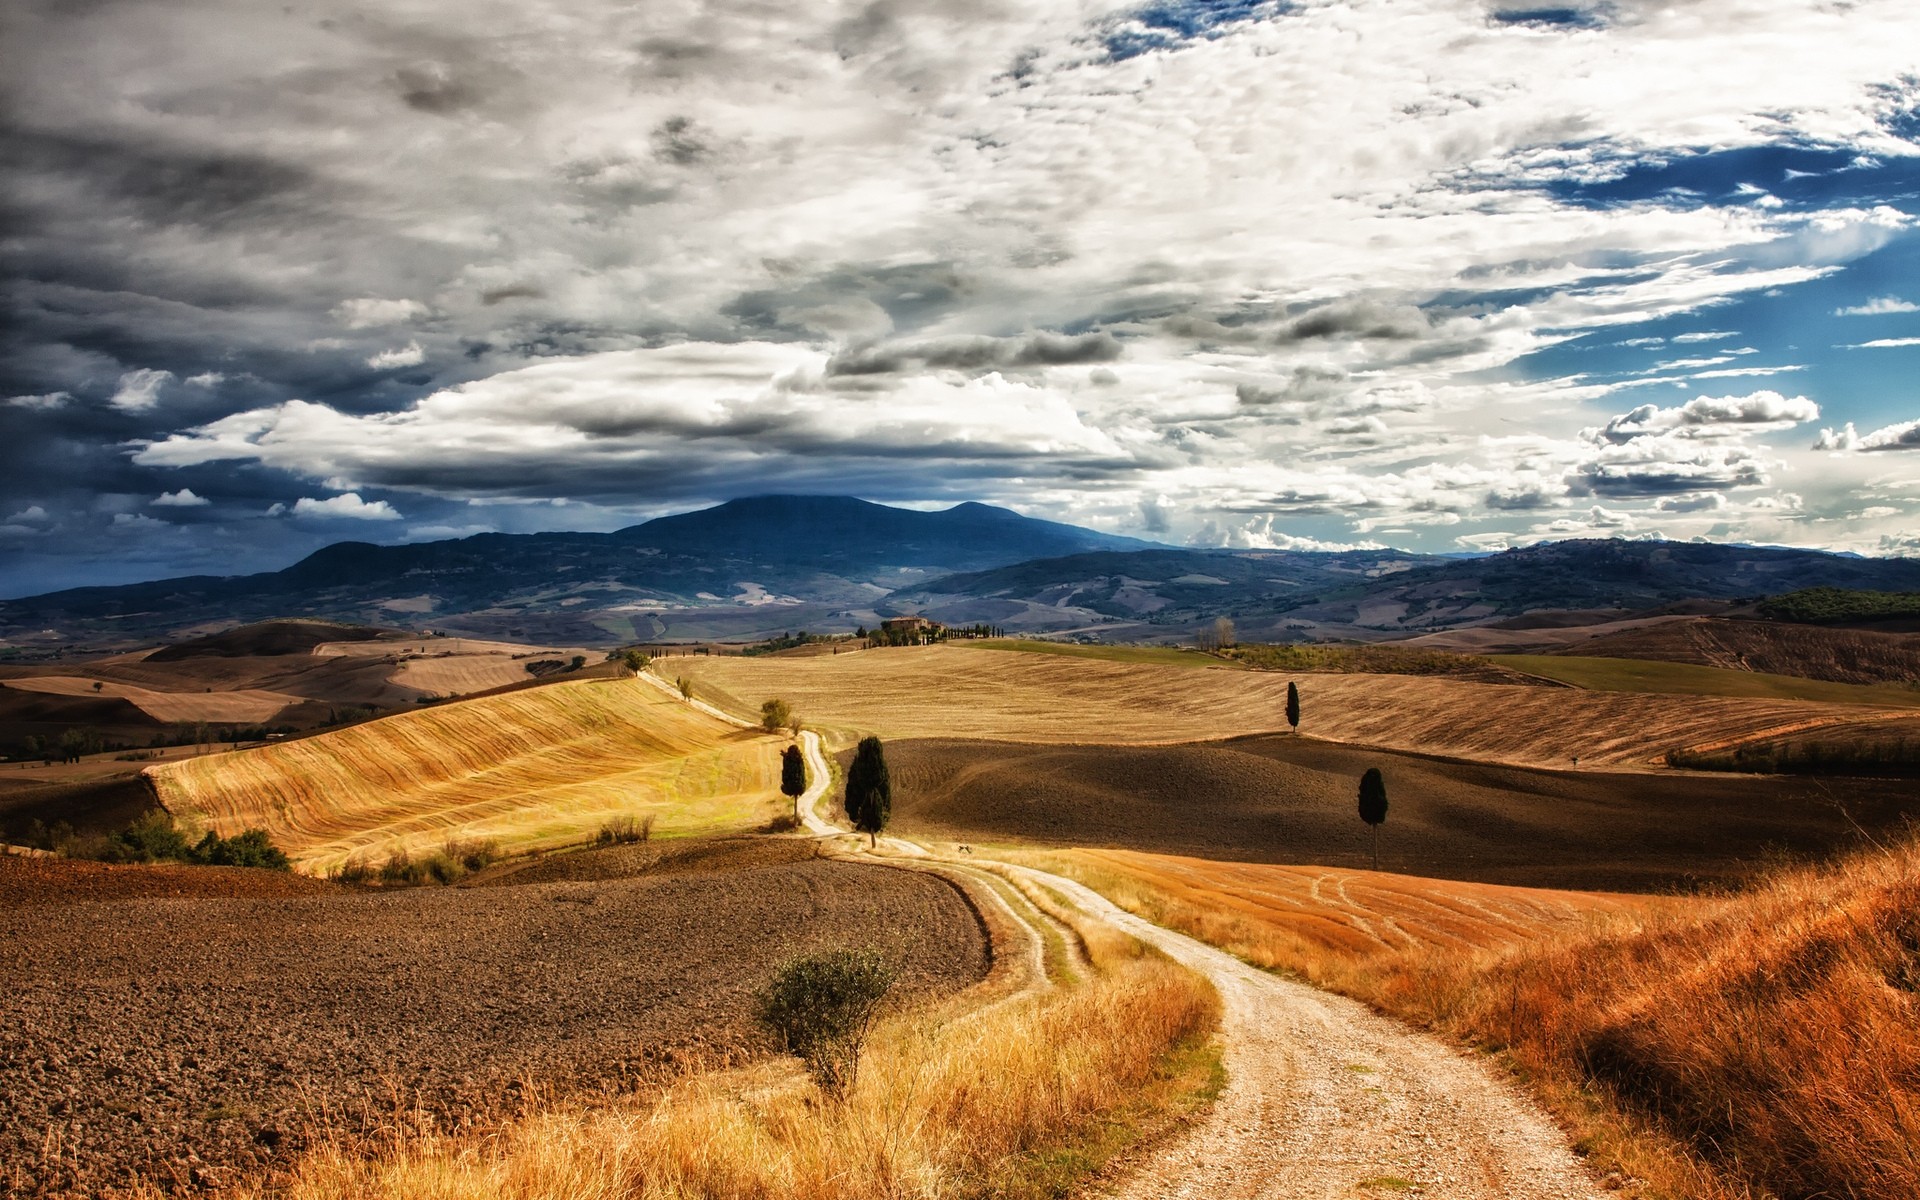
(1324, 1098)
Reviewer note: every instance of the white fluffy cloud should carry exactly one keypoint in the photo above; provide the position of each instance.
(409, 355)
(184, 498)
(1712, 416)
(1879, 306)
(140, 390)
(346, 507)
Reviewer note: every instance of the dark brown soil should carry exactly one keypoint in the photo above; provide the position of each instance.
(92, 806)
(1281, 799)
(1775, 647)
(193, 1040)
(291, 636)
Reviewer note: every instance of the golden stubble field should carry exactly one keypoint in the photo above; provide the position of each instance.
(536, 768)
(960, 691)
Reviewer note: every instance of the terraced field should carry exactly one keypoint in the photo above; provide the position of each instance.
(539, 767)
(957, 691)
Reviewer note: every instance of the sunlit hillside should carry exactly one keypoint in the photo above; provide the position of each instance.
(538, 767)
(959, 691)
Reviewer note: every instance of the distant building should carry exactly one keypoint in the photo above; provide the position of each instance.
(909, 631)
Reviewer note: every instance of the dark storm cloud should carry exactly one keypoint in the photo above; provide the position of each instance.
(977, 354)
(1357, 319)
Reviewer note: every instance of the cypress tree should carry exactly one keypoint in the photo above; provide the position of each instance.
(869, 791)
(1373, 807)
(1293, 705)
(793, 776)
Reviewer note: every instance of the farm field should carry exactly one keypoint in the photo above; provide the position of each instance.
(229, 1020)
(1776, 647)
(959, 691)
(1250, 908)
(240, 706)
(1645, 675)
(532, 768)
(1280, 799)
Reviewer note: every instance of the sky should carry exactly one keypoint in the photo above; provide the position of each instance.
(1444, 275)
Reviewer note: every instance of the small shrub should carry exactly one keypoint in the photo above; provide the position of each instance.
(622, 831)
(400, 867)
(354, 870)
(249, 848)
(152, 838)
(821, 1007)
(775, 715)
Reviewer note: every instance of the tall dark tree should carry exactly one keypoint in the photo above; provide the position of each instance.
(869, 791)
(793, 776)
(1373, 807)
(1293, 706)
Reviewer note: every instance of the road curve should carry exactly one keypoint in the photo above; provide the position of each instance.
(1324, 1097)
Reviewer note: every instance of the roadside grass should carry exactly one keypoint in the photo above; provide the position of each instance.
(1021, 1100)
(1765, 1043)
(1159, 655)
(1690, 679)
(533, 769)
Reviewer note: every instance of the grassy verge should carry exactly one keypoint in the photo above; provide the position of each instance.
(1689, 679)
(1763, 1044)
(1160, 655)
(1018, 1100)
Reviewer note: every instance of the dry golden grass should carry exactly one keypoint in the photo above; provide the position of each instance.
(957, 691)
(1736, 1048)
(1017, 1099)
(1274, 915)
(247, 707)
(540, 767)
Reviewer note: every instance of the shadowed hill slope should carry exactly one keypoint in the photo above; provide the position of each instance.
(1284, 799)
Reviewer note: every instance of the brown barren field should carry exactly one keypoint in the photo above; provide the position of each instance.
(1809, 651)
(1282, 799)
(539, 767)
(954, 691)
(246, 706)
(193, 1041)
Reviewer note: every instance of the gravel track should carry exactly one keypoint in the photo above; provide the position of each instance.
(191, 1040)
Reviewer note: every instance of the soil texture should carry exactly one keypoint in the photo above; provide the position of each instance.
(195, 1040)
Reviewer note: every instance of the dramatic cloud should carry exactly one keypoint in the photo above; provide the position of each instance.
(1335, 270)
(1711, 417)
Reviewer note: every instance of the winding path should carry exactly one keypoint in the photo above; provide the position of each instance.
(1324, 1097)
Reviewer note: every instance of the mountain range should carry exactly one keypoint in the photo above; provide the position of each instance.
(763, 565)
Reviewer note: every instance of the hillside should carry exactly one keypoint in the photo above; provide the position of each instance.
(539, 767)
(1276, 595)
(1281, 799)
(1769, 647)
(745, 568)
(957, 691)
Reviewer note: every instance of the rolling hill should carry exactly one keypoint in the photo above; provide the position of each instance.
(531, 768)
(1290, 595)
(746, 567)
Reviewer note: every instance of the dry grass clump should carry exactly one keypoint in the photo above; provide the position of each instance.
(991, 1103)
(1762, 1044)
